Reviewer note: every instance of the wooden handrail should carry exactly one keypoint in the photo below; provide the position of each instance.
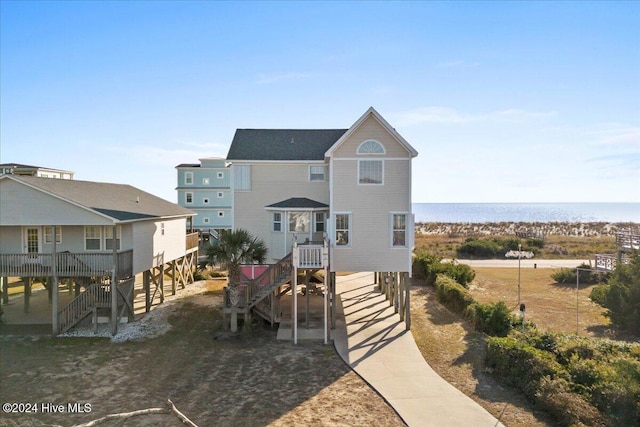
(270, 277)
(95, 295)
(67, 264)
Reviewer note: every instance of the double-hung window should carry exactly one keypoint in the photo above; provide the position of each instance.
(92, 238)
(108, 238)
(317, 173)
(319, 217)
(188, 178)
(48, 234)
(276, 223)
(188, 198)
(343, 229)
(399, 229)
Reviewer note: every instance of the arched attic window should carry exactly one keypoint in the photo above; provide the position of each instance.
(370, 146)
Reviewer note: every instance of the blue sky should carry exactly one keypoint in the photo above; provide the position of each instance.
(505, 101)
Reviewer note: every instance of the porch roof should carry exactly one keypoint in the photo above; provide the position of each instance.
(299, 203)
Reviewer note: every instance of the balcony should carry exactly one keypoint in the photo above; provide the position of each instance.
(607, 262)
(66, 264)
(311, 256)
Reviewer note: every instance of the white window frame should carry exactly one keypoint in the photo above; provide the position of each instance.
(108, 236)
(276, 220)
(393, 230)
(220, 214)
(371, 146)
(205, 201)
(220, 175)
(205, 220)
(220, 194)
(316, 222)
(349, 229)
(361, 164)
(48, 234)
(188, 178)
(205, 181)
(298, 226)
(90, 234)
(188, 195)
(315, 177)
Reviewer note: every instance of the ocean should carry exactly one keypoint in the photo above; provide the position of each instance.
(527, 212)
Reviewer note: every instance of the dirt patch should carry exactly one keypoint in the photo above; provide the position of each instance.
(215, 378)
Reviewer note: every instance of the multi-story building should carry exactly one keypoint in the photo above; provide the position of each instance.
(205, 188)
(26, 170)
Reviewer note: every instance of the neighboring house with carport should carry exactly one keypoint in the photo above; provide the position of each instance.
(332, 199)
(92, 235)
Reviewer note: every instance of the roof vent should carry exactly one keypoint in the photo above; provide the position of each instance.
(138, 199)
(293, 141)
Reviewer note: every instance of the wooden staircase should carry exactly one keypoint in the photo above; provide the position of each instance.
(96, 295)
(255, 293)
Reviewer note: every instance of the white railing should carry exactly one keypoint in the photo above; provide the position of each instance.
(310, 256)
(628, 240)
(608, 262)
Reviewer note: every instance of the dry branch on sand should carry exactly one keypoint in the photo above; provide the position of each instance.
(171, 408)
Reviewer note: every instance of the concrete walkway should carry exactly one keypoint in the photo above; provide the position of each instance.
(371, 339)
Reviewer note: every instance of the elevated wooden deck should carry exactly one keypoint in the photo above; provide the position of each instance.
(626, 242)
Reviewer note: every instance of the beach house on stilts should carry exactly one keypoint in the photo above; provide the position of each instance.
(93, 238)
(330, 200)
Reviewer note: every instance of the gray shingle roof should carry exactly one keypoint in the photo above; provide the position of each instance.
(282, 144)
(299, 203)
(119, 201)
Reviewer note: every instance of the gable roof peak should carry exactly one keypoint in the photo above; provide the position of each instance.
(372, 112)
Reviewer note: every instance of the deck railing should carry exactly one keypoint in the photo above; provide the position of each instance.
(271, 276)
(608, 262)
(192, 241)
(95, 296)
(67, 264)
(628, 240)
(310, 256)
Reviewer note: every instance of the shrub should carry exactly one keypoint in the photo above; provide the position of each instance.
(492, 319)
(452, 295)
(428, 266)
(461, 273)
(425, 265)
(621, 295)
(478, 248)
(599, 294)
(520, 364)
(566, 407)
(534, 243)
(587, 275)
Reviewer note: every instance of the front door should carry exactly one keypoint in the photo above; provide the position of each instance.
(32, 241)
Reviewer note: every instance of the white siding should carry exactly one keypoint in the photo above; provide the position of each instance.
(152, 248)
(272, 183)
(371, 205)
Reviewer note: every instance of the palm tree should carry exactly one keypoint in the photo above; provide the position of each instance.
(233, 249)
